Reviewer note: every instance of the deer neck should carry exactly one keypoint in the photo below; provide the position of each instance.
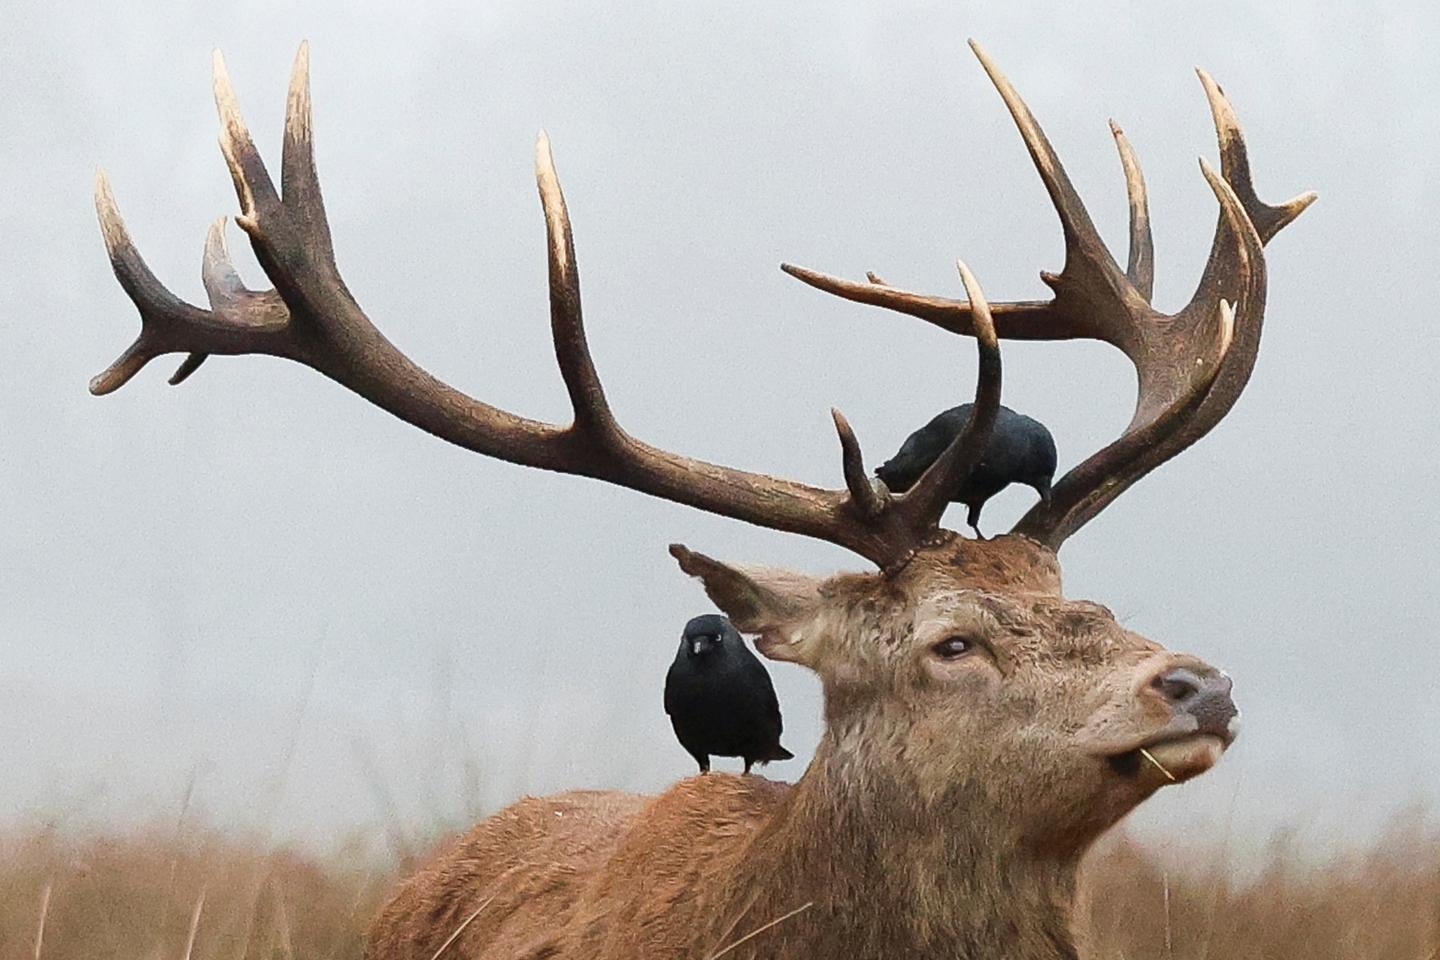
(887, 878)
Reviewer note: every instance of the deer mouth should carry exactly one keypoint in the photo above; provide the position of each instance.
(1170, 759)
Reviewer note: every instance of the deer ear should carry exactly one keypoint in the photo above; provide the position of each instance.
(775, 604)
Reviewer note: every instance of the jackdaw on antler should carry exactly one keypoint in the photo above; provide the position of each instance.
(1020, 450)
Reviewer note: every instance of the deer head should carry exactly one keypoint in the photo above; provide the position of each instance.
(968, 663)
(961, 687)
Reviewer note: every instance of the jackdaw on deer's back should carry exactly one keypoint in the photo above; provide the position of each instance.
(1021, 450)
(720, 698)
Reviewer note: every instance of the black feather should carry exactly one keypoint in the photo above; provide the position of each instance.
(1021, 450)
(720, 698)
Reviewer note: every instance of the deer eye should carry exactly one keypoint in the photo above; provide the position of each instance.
(953, 648)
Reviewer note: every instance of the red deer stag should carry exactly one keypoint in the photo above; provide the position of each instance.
(980, 729)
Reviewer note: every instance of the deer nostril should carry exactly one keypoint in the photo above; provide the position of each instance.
(1179, 685)
(1201, 695)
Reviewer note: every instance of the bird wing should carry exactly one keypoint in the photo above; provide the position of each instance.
(772, 708)
(671, 697)
(762, 691)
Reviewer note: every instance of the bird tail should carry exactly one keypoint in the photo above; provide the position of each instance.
(780, 753)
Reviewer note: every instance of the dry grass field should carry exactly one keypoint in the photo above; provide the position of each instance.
(135, 897)
(1377, 903)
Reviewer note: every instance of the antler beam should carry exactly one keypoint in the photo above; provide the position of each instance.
(310, 317)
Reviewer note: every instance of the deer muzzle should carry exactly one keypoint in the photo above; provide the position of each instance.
(1203, 698)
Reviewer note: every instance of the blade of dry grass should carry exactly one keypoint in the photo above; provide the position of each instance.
(740, 915)
(194, 925)
(1158, 765)
(455, 934)
(1169, 926)
(44, 914)
(282, 922)
(402, 848)
(759, 930)
(164, 905)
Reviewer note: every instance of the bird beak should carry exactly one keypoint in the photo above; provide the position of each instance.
(699, 645)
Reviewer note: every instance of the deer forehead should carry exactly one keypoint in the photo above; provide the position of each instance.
(893, 618)
(971, 612)
(1038, 629)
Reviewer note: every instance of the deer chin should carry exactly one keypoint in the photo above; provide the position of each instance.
(1170, 760)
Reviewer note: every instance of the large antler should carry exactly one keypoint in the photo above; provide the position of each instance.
(1191, 365)
(311, 317)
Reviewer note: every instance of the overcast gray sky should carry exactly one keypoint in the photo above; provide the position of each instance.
(259, 582)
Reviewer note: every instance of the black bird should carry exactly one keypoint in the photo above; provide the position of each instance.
(719, 697)
(1021, 450)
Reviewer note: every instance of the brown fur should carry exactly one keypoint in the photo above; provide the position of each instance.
(943, 815)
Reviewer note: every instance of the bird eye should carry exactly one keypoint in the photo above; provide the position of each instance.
(953, 648)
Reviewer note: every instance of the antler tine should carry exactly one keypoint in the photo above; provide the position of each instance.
(1141, 267)
(160, 310)
(1235, 166)
(120, 371)
(1090, 275)
(253, 186)
(869, 501)
(217, 271)
(926, 501)
(299, 180)
(1014, 320)
(138, 282)
(224, 288)
(189, 365)
(572, 349)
